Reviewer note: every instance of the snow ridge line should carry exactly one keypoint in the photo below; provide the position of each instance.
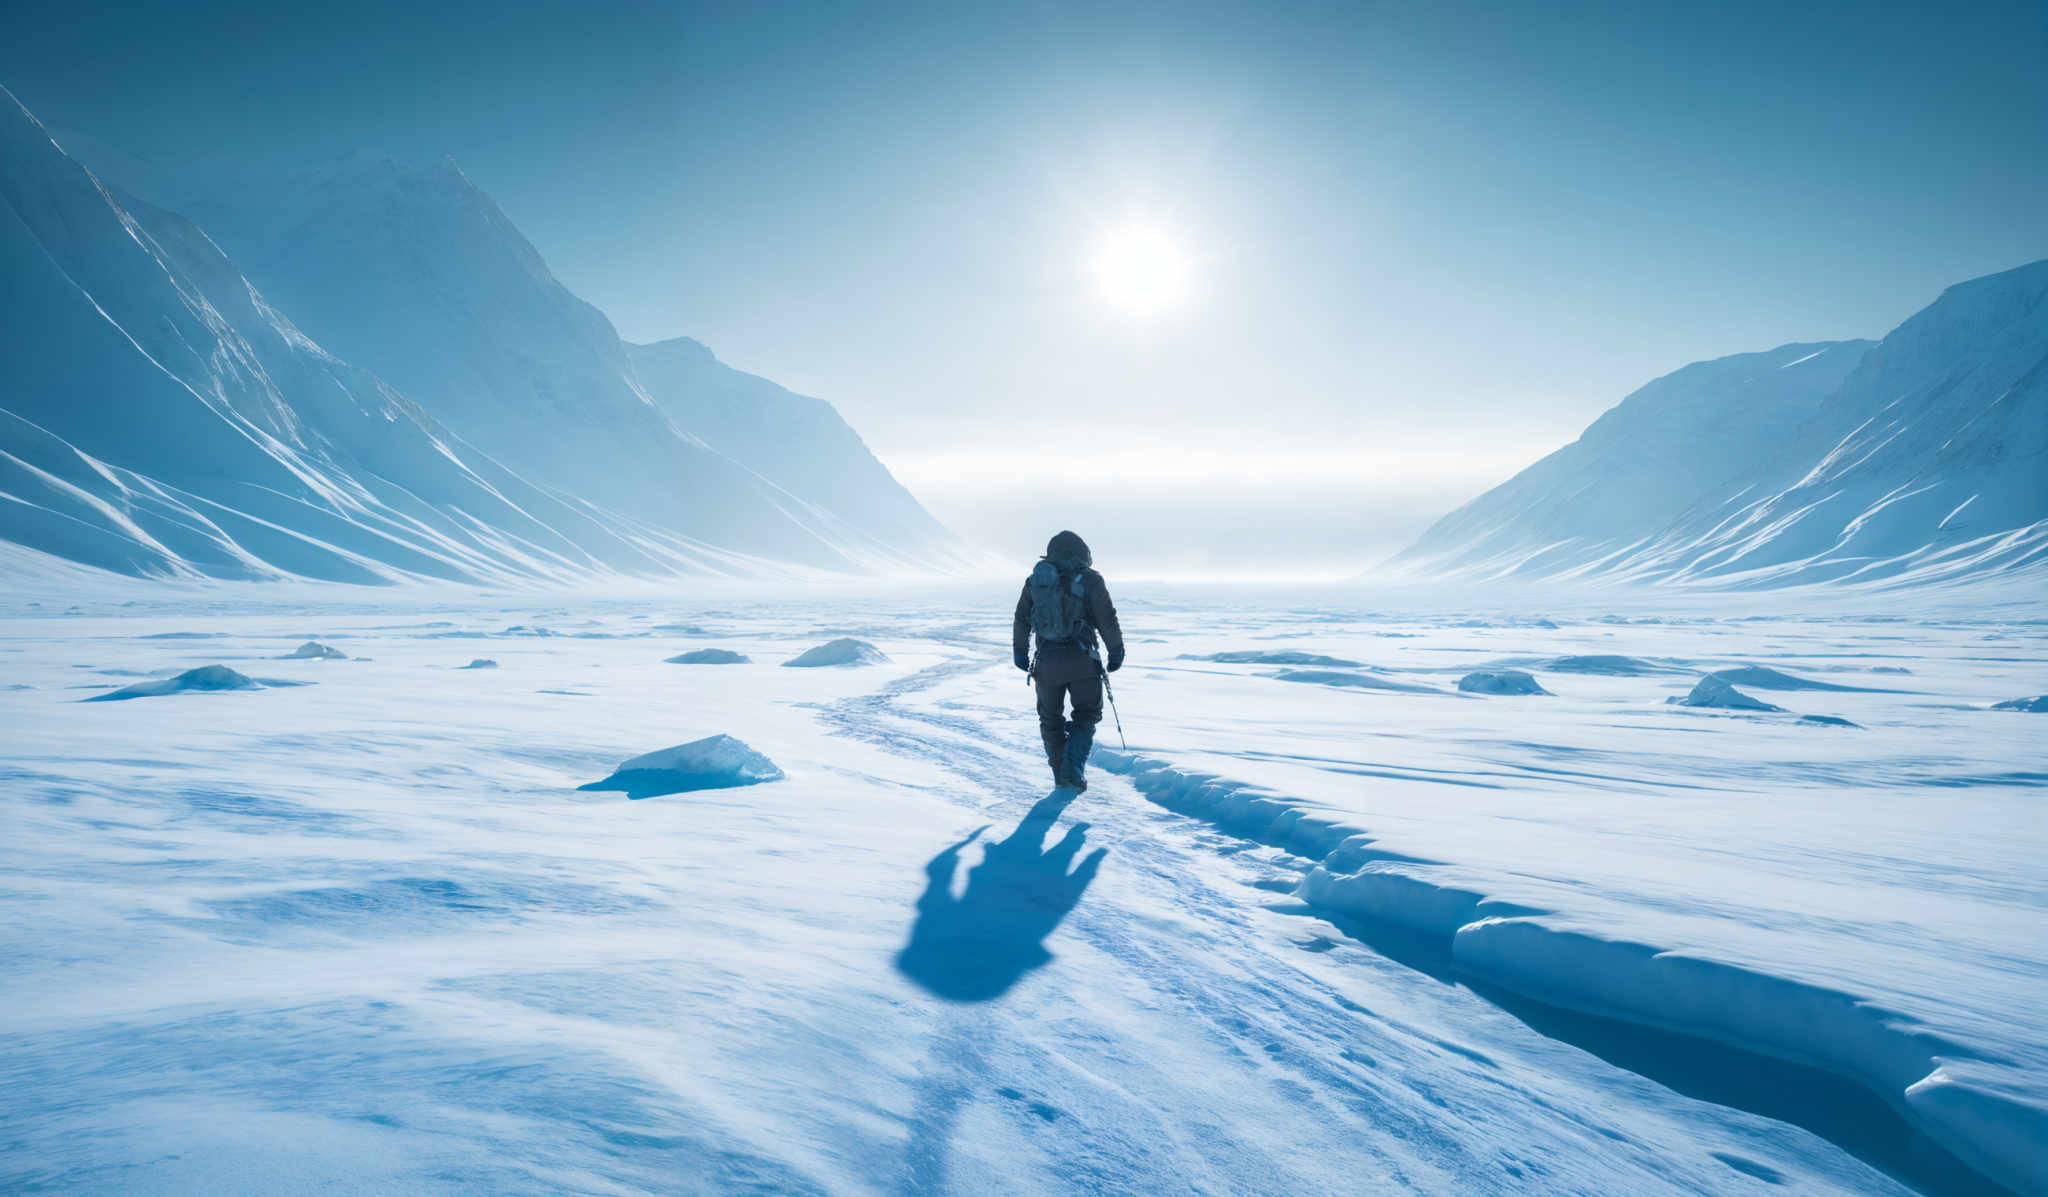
(1938, 1085)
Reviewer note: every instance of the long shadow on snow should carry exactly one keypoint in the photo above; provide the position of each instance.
(973, 948)
(1830, 1106)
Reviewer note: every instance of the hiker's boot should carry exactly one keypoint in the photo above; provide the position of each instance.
(1055, 752)
(1073, 769)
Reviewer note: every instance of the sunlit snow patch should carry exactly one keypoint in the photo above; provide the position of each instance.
(713, 763)
(1715, 693)
(1500, 681)
(206, 677)
(711, 656)
(843, 651)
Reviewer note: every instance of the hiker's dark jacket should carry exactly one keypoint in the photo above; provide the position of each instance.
(1064, 661)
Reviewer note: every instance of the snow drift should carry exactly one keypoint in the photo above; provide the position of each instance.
(204, 679)
(1965, 1102)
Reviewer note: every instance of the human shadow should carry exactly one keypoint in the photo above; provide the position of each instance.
(975, 947)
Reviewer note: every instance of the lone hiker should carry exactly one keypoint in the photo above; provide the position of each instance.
(1066, 604)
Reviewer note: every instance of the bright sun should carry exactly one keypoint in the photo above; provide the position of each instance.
(1140, 270)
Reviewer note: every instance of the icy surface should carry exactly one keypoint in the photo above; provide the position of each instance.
(2037, 705)
(368, 935)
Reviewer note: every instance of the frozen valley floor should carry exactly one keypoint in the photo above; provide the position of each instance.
(1329, 924)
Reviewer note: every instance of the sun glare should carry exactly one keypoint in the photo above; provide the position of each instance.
(1140, 270)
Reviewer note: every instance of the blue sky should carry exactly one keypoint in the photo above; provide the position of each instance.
(1424, 243)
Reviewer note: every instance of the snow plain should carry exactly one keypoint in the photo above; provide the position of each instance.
(1361, 932)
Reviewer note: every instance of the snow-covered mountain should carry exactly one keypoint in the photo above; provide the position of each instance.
(799, 443)
(1921, 458)
(454, 412)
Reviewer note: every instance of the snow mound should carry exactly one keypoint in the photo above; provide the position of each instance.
(206, 677)
(1353, 681)
(1719, 695)
(710, 656)
(481, 663)
(1271, 657)
(712, 763)
(843, 651)
(1764, 678)
(1612, 666)
(313, 650)
(2037, 705)
(1929, 1078)
(1500, 681)
(1889, 669)
(1827, 721)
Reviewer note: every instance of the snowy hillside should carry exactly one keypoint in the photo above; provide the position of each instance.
(1918, 459)
(799, 443)
(164, 416)
(417, 275)
(161, 418)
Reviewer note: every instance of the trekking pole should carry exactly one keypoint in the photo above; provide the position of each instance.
(1111, 692)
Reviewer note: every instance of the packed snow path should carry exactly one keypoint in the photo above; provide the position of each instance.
(364, 934)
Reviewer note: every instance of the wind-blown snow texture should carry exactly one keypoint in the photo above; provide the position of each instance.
(367, 935)
(164, 416)
(1922, 458)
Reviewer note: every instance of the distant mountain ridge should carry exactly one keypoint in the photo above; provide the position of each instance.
(1921, 458)
(436, 405)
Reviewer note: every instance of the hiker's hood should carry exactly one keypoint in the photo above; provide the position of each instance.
(1069, 551)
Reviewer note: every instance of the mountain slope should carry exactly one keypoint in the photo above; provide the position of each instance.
(799, 443)
(1923, 458)
(417, 275)
(1640, 465)
(160, 417)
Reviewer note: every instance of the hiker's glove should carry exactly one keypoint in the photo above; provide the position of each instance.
(1116, 662)
(1023, 662)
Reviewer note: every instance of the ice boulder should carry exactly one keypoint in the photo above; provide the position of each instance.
(481, 663)
(2037, 705)
(843, 651)
(1715, 693)
(710, 656)
(712, 763)
(1500, 681)
(1827, 721)
(313, 650)
(206, 677)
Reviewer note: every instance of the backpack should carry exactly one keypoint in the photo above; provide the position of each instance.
(1059, 608)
